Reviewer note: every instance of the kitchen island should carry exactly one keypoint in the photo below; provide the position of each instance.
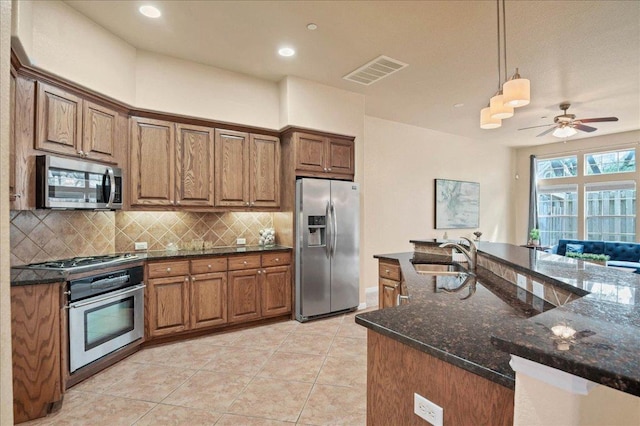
(477, 335)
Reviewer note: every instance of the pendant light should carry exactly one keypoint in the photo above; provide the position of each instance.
(486, 121)
(517, 91)
(497, 106)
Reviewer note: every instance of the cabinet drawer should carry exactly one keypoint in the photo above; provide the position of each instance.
(389, 270)
(212, 264)
(168, 269)
(244, 262)
(276, 259)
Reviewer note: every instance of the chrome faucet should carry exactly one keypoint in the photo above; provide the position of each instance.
(471, 254)
(469, 282)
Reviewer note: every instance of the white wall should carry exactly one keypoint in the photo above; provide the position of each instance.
(177, 86)
(67, 44)
(521, 200)
(400, 165)
(6, 388)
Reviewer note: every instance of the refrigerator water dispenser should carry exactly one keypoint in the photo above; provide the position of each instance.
(316, 231)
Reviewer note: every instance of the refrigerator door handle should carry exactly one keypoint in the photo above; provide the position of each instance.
(334, 229)
(327, 246)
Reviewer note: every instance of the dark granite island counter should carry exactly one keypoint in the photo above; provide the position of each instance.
(479, 334)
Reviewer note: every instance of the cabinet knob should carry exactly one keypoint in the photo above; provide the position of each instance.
(252, 203)
(325, 169)
(386, 271)
(245, 262)
(259, 272)
(277, 259)
(178, 202)
(246, 204)
(81, 153)
(186, 279)
(209, 266)
(329, 169)
(168, 269)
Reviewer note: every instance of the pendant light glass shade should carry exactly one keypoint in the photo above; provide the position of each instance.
(564, 132)
(517, 91)
(486, 122)
(498, 109)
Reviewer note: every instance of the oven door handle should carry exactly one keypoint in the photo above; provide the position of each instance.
(102, 299)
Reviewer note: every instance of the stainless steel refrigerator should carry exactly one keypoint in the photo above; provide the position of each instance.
(327, 249)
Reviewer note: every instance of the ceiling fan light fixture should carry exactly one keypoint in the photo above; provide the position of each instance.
(498, 109)
(564, 132)
(517, 91)
(486, 122)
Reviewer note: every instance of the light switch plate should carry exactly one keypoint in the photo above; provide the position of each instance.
(140, 245)
(241, 241)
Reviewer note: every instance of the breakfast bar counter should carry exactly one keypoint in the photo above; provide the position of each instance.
(584, 319)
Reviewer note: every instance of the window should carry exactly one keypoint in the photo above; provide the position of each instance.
(610, 211)
(593, 198)
(557, 213)
(557, 167)
(610, 162)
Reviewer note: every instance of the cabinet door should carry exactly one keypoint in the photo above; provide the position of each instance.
(152, 162)
(167, 305)
(208, 299)
(310, 152)
(58, 121)
(244, 295)
(389, 291)
(194, 166)
(276, 291)
(340, 156)
(264, 171)
(35, 337)
(99, 132)
(232, 165)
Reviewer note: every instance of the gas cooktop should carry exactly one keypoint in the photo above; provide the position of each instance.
(81, 262)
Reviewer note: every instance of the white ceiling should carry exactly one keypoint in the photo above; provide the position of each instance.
(585, 52)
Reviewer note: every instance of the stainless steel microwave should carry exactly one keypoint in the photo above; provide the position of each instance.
(64, 183)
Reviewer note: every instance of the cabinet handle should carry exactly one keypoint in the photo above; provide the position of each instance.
(168, 269)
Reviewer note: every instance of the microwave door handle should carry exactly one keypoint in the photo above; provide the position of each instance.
(112, 186)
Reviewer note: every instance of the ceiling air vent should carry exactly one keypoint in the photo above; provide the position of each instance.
(375, 70)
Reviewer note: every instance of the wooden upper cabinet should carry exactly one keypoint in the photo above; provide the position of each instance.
(59, 121)
(69, 125)
(264, 178)
(194, 166)
(310, 152)
(323, 156)
(340, 156)
(231, 168)
(99, 132)
(152, 162)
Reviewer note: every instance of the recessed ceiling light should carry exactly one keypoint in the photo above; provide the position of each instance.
(312, 27)
(150, 11)
(460, 105)
(286, 51)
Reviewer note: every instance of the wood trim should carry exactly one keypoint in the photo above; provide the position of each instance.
(296, 129)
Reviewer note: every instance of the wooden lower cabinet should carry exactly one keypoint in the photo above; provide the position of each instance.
(168, 305)
(244, 295)
(389, 283)
(36, 336)
(276, 291)
(208, 294)
(396, 371)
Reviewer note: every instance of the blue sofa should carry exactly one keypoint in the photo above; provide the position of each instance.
(621, 255)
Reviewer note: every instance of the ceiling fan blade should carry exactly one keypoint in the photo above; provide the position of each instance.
(535, 127)
(584, 128)
(546, 131)
(597, 120)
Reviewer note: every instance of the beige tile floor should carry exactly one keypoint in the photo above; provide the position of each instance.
(281, 374)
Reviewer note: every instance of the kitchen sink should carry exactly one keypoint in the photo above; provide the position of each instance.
(438, 268)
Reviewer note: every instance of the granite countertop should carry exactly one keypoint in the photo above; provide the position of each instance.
(21, 276)
(479, 333)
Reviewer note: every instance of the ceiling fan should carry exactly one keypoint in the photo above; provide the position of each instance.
(566, 125)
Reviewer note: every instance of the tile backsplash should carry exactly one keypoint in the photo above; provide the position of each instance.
(41, 235)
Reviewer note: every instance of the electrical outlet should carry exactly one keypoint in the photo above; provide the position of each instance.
(522, 281)
(538, 289)
(241, 241)
(140, 246)
(427, 410)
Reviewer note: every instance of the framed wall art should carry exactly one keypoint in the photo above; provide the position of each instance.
(457, 204)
